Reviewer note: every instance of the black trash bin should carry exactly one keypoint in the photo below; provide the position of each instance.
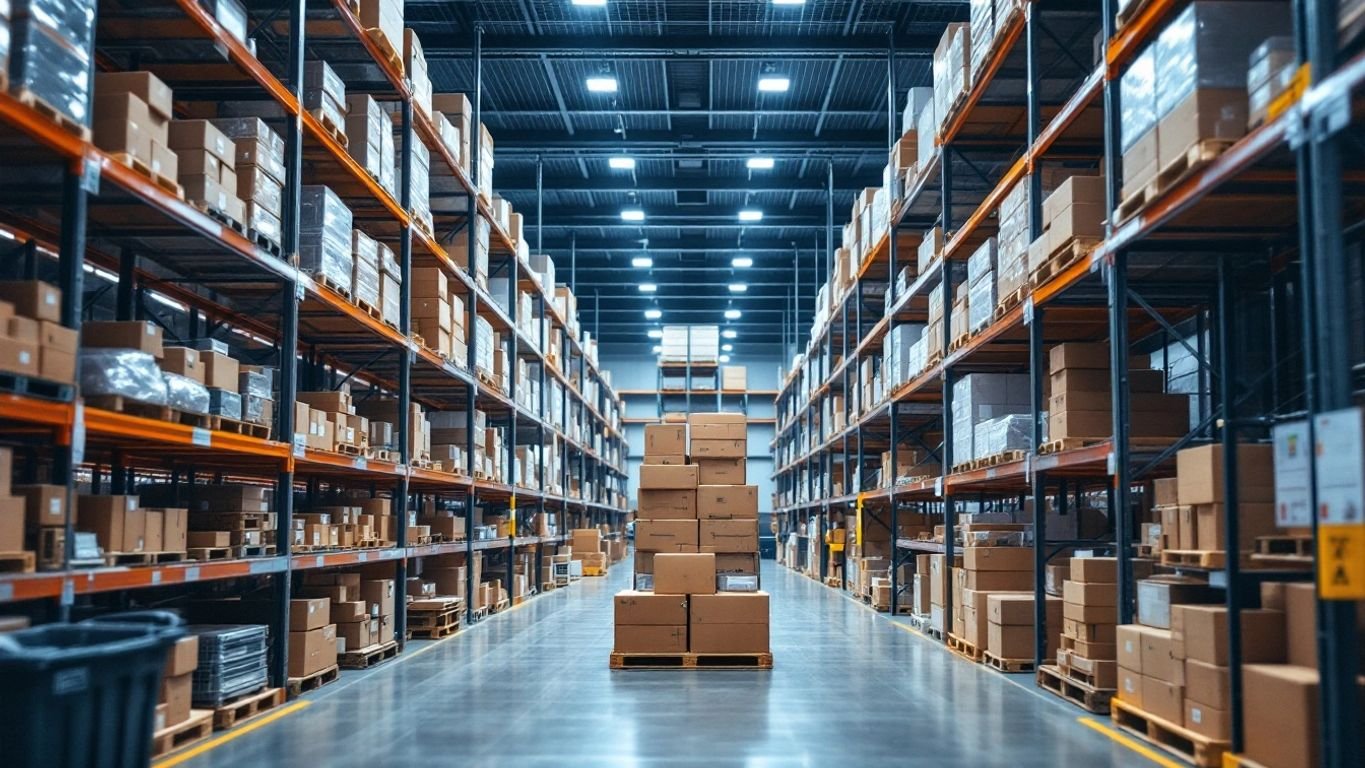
(83, 695)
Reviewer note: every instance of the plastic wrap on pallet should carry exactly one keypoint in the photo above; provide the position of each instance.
(186, 394)
(483, 335)
(981, 303)
(123, 372)
(365, 122)
(389, 298)
(49, 55)
(255, 409)
(1208, 44)
(417, 72)
(255, 185)
(982, 33)
(420, 190)
(388, 173)
(255, 383)
(926, 130)
(325, 235)
(736, 582)
(1271, 58)
(930, 246)
(324, 89)
(449, 135)
(257, 145)
(981, 263)
(264, 223)
(1137, 98)
(210, 345)
(366, 258)
(388, 261)
(226, 403)
(916, 99)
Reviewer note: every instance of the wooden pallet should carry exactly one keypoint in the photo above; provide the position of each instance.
(1196, 156)
(325, 279)
(209, 553)
(364, 658)
(392, 54)
(337, 132)
(161, 180)
(1007, 665)
(1285, 547)
(239, 427)
(63, 121)
(1185, 744)
(219, 215)
(300, 685)
(1009, 301)
(501, 605)
(1062, 258)
(265, 242)
(350, 450)
(1130, 205)
(1070, 443)
(691, 660)
(196, 728)
(29, 386)
(253, 550)
(1211, 559)
(143, 558)
(244, 708)
(963, 648)
(1233, 760)
(547, 586)
(17, 562)
(1085, 696)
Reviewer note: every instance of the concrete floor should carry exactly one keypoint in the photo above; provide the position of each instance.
(531, 687)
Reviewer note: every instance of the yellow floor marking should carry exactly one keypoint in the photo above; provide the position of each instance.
(194, 752)
(1131, 743)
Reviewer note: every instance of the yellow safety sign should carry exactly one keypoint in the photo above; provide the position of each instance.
(858, 531)
(512, 518)
(1341, 562)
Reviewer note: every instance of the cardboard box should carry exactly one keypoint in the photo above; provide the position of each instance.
(1095, 570)
(209, 539)
(1166, 492)
(33, 298)
(729, 638)
(220, 370)
(45, 505)
(144, 85)
(666, 504)
(666, 535)
(177, 693)
(183, 657)
(19, 357)
(153, 527)
(1207, 684)
(1158, 656)
(737, 562)
(313, 651)
(309, 613)
(713, 471)
(1129, 642)
(727, 502)
(116, 521)
(183, 361)
(717, 426)
(631, 638)
(727, 535)
(1280, 715)
(359, 634)
(1091, 594)
(380, 595)
(684, 574)
(1253, 520)
(718, 449)
(662, 477)
(1163, 699)
(1155, 596)
(665, 439)
(349, 611)
(1204, 630)
(998, 558)
(1016, 608)
(649, 609)
(1130, 686)
(1011, 641)
(1199, 472)
(1301, 621)
(1090, 614)
(141, 335)
(729, 608)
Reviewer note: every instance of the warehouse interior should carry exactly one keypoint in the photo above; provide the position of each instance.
(775, 382)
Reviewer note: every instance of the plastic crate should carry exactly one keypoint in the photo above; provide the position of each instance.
(82, 695)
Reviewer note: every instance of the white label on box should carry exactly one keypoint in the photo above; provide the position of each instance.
(201, 436)
(54, 507)
(24, 357)
(1293, 503)
(1341, 488)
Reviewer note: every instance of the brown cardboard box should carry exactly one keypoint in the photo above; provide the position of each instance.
(1199, 471)
(729, 608)
(1092, 633)
(717, 449)
(1075, 354)
(33, 298)
(140, 335)
(1090, 594)
(717, 426)
(56, 365)
(1166, 492)
(721, 471)
(1253, 520)
(309, 613)
(1140, 163)
(379, 593)
(313, 651)
(183, 361)
(729, 638)
(666, 535)
(1207, 721)
(1163, 699)
(1280, 715)
(11, 524)
(665, 439)
(1158, 656)
(1187, 528)
(1207, 684)
(1130, 642)
(1156, 595)
(1095, 570)
(727, 502)
(1090, 614)
(153, 527)
(998, 558)
(116, 521)
(209, 539)
(1012, 641)
(657, 476)
(145, 85)
(684, 574)
(176, 694)
(727, 535)
(737, 562)
(666, 504)
(1206, 113)
(183, 657)
(668, 459)
(45, 504)
(220, 371)
(123, 124)
(647, 608)
(1016, 608)
(631, 638)
(349, 611)
(19, 357)
(1204, 630)
(357, 634)
(1301, 621)
(1130, 686)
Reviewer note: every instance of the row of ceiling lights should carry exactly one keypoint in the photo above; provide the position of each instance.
(602, 3)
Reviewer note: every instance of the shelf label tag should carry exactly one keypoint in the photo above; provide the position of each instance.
(201, 436)
(938, 486)
(6, 592)
(361, 462)
(1293, 502)
(78, 435)
(1028, 310)
(68, 592)
(362, 557)
(300, 444)
(1111, 463)
(192, 573)
(156, 576)
(319, 561)
(1338, 453)
(90, 176)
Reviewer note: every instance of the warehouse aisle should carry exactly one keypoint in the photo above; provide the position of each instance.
(531, 688)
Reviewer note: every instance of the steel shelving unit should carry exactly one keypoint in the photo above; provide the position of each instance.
(1280, 207)
(99, 216)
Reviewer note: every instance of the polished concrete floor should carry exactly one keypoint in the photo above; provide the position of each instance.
(530, 687)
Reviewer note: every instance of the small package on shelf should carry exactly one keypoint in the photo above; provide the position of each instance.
(324, 94)
(458, 110)
(186, 394)
(416, 63)
(390, 283)
(365, 275)
(325, 238)
(50, 54)
(365, 126)
(125, 373)
(225, 403)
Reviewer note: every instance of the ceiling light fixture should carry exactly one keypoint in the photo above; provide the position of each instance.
(738, 288)
(775, 2)
(750, 214)
(648, 287)
(600, 3)
(725, 358)
(741, 262)
(653, 314)
(632, 214)
(772, 84)
(727, 347)
(732, 314)
(759, 163)
(621, 163)
(605, 84)
(657, 349)
(655, 333)
(729, 333)
(641, 261)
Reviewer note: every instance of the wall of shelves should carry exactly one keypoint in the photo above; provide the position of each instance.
(89, 211)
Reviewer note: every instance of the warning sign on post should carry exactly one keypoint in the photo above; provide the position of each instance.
(1340, 483)
(1293, 502)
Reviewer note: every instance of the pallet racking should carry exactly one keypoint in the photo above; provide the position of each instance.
(1265, 310)
(96, 216)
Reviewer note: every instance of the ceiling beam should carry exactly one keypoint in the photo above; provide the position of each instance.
(832, 143)
(621, 183)
(677, 47)
(685, 245)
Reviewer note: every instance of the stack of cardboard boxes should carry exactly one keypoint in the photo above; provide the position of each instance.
(177, 683)
(696, 535)
(361, 610)
(988, 570)
(1079, 404)
(588, 547)
(439, 316)
(1151, 667)
(312, 635)
(259, 166)
(132, 121)
(219, 516)
(1192, 519)
(1074, 213)
(120, 523)
(207, 166)
(1089, 616)
(33, 342)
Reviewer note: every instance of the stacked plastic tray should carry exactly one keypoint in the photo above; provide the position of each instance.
(232, 662)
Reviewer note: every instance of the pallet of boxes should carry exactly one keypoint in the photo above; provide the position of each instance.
(696, 604)
(176, 723)
(993, 601)
(589, 548)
